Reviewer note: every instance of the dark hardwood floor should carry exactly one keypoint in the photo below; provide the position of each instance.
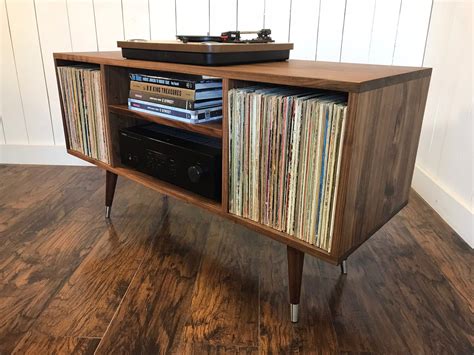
(166, 277)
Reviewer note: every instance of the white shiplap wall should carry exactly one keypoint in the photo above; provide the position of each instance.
(365, 31)
(376, 31)
(444, 175)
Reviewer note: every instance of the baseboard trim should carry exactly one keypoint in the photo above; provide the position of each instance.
(38, 155)
(450, 207)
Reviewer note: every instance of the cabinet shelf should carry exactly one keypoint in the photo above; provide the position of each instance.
(213, 129)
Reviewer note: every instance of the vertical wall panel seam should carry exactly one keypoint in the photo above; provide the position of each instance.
(149, 18)
(175, 20)
(123, 20)
(3, 130)
(44, 72)
(264, 11)
(16, 73)
(343, 27)
(95, 26)
(69, 26)
(427, 32)
(396, 33)
(236, 15)
(175, 17)
(435, 114)
(289, 20)
(317, 31)
(372, 31)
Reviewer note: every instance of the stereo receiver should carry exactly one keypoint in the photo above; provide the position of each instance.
(186, 159)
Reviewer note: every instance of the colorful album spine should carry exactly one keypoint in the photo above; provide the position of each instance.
(169, 101)
(297, 137)
(178, 83)
(176, 113)
(82, 104)
(178, 93)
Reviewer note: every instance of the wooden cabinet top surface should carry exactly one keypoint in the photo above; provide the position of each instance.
(324, 75)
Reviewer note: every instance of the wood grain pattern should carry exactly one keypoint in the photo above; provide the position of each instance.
(295, 273)
(224, 309)
(37, 343)
(378, 160)
(36, 258)
(84, 306)
(116, 84)
(110, 183)
(407, 290)
(27, 204)
(323, 75)
(154, 310)
(443, 245)
(215, 47)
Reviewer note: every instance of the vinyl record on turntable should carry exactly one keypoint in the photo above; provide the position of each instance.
(227, 49)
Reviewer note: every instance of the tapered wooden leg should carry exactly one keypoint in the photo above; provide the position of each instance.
(295, 273)
(110, 183)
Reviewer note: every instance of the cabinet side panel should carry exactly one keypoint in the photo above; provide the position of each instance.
(380, 151)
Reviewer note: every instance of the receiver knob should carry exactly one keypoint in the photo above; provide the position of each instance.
(195, 173)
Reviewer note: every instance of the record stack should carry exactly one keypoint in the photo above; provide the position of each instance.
(186, 98)
(281, 141)
(81, 93)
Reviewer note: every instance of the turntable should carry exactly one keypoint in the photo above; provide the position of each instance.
(227, 49)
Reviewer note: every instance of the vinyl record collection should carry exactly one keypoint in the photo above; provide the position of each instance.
(281, 141)
(186, 98)
(83, 110)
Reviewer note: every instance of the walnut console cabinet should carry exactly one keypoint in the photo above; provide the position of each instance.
(385, 113)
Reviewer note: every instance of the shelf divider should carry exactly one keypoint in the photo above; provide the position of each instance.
(213, 129)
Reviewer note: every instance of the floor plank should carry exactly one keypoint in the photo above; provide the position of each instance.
(42, 203)
(86, 304)
(35, 256)
(37, 343)
(224, 310)
(30, 279)
(423, 300)
(164, 276)
(156, 306)
(444, 247)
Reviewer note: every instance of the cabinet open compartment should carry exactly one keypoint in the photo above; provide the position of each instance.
(117, 83)
(118, 122)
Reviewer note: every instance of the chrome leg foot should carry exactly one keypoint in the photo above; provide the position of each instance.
(344, 267)
(107, 211)
(294, 313)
